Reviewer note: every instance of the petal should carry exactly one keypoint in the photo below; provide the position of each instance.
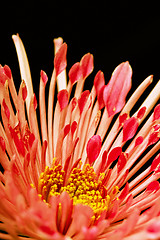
(141, 112)
(113, 155)
(129, 129)
(86, 64)
(117, 89)
(99, 81)
(82, 100)
(121, 162)
(44, 77)
(155, 163)
(156, 114)
(75, 73)
(93, 148)
(62, 98)
(60, 62)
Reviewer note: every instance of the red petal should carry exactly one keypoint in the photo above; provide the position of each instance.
(155, 163)
(153, 186)
(82, 100)
(99, 81)
(17, 140)
(124, 192)
(121, 162)
(60, 61)
(31, 139)
(14, 168)
(113, 155)
(93, 148)
(156, 114)
(75, 73)
(6, 109)
(141, 112)
(73, 127)
(7, 71)
(100, 98)
(63, 98)
(154, 230)
(153, 138)
(138, 141)
(24, 91)
(3, 76)
(122, 119)
(113, 211)
(46, 230)
(74, 103)
(44, 77)
(2, 144)
(86, 65)
(34, 102)
(66, 130)
(117, 89)
(129, 128)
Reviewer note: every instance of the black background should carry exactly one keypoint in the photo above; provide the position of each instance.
(112, 31)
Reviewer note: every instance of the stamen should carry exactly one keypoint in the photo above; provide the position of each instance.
(83, 186)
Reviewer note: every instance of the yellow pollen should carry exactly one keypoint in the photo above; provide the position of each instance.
(82, 185)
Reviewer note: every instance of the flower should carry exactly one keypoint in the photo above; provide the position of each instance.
(85, 174)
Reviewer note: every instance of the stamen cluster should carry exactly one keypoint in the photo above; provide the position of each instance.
(83, 186)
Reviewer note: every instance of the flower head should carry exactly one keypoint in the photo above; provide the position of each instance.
(73, 176)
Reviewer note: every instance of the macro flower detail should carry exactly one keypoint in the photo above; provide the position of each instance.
(88, 169)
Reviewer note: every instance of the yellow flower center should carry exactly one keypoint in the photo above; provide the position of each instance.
(82, 185)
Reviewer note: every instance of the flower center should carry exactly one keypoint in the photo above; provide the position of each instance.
(82, 185)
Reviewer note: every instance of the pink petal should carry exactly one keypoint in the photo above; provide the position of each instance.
(153, 230)
(60, 62)
(111, 214)
(93, 148)
(75, 73)
(90, 233)
(117, 89)
(63, 98)
(129, 129)
(86, 65)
